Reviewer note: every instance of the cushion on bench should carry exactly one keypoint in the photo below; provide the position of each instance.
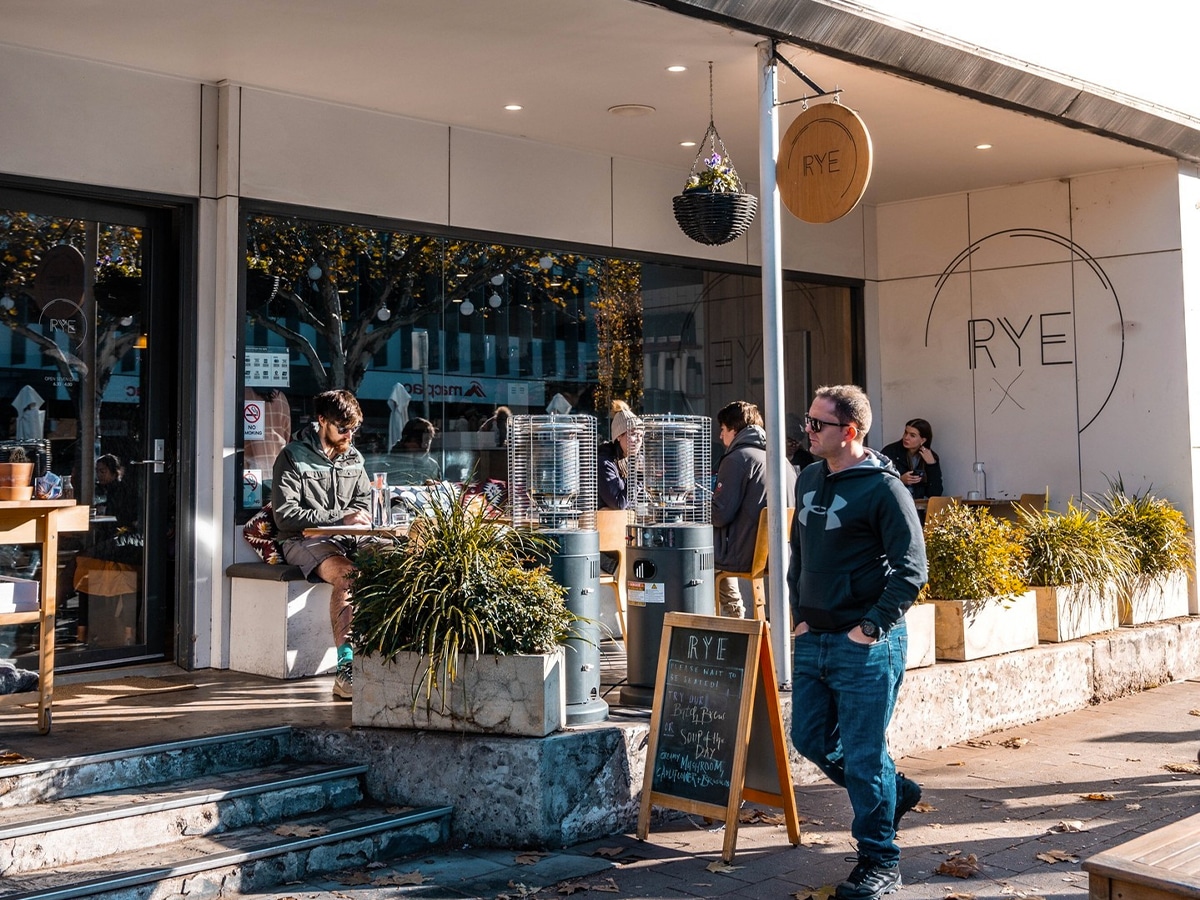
(265, 571)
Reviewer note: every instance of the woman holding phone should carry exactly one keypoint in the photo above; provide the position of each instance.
(914, 458)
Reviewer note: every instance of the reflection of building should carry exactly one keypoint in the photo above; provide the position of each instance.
(444, 165)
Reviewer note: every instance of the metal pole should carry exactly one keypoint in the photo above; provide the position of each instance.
(772, 309)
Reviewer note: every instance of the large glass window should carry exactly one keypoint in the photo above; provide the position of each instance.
(448, 330)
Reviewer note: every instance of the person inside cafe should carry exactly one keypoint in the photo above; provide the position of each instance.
(797, 442)
(111, 565)
(913, 456)
(740, 495)
(410, 460)
(320, 480)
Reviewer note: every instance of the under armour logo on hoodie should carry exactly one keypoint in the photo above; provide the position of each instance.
(830, 512)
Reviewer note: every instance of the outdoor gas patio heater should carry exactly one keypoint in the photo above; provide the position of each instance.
(552, 485)
(670, 558)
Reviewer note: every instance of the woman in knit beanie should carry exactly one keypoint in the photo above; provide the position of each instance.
(613, 456)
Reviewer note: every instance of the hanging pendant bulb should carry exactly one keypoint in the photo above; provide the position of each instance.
(467, 308)
(494, 301)
(384, 314)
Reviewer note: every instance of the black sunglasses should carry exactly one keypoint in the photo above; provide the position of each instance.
(817, 424)
(347, 429)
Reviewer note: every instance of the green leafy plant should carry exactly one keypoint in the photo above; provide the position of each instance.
(1157, 532)
(463, 582)
(973, 556)
(1076, 548)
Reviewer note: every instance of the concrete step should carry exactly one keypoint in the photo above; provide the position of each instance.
(50, 779)
(241, 861)
(74, 829)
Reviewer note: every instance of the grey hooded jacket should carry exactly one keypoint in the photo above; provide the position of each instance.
(740, 495)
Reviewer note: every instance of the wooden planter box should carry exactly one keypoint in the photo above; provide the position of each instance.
(1156, 600)
(517, 695)
(972, 629)
(922, 646)
(1066, 612)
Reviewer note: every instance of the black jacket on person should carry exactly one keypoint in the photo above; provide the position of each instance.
(932, 485)
(611, 489)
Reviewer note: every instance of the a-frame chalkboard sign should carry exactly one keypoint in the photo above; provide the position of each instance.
(716, 731)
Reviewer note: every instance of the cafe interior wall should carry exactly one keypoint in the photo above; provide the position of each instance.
(1042, 329)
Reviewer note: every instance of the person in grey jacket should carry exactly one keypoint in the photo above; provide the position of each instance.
(319, 479)
(740, 496)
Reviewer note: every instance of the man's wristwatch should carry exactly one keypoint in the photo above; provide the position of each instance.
(869, 628)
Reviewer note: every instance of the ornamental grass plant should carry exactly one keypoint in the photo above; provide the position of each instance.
(974, 556)
(1155, 529)
(1076, 548)
(462, 583)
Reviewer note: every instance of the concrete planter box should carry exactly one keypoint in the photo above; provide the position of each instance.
(1066, 612)
(515, 695)
(1155, 600)
(973, 629)
(922, 647)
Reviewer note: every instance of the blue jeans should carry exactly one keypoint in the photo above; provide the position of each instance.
(843, 695)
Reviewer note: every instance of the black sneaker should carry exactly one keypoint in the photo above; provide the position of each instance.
(869, 881)
(343, 681)
(908, 795)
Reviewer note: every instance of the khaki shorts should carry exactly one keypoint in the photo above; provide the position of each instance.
(309, 552)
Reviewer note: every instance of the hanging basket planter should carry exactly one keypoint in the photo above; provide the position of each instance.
(714, 219)
(714, 207)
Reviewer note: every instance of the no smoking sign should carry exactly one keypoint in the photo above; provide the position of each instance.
(253, 428)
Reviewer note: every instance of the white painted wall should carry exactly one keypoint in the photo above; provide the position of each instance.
(1080, 364)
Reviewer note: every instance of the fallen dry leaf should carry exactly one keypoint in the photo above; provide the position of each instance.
(824, 892)
(353, 876)
(608, 886)
(720, 866)
(935, 824)
(401, 878)
(1133, 806)
(1015, 743)
(978, 742)
(529, 859)
(522, 890)
(1183, 768)
(959, 763)
(1133, 759)
(12, 758)
(960, 866)
(810, 839)
(956, 895)
(1057, 856)
(302, 831)
(760, 816)
(396, 810)
(1194, 712)
(572, 887)
(610, 852)
(1067, 825)
(924, 807)
(1096, 795)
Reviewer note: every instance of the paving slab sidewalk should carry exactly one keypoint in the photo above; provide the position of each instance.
(1063, 788)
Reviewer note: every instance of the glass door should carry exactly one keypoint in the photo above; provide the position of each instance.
(88, 298)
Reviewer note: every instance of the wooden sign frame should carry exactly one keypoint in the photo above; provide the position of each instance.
(758, 768)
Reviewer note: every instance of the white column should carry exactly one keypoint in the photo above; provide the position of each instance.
(772, 319)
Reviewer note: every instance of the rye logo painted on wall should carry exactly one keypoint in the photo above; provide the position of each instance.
(1082, 326)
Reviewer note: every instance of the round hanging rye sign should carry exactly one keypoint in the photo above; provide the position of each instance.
(824, 163)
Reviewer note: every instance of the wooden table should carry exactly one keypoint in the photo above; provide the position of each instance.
(1161, 864)
(364, 530)
(40, 522)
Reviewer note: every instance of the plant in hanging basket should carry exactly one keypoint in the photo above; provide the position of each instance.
(714, 207)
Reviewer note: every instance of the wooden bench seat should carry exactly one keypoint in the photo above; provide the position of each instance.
(278, 622)
(1162, 864)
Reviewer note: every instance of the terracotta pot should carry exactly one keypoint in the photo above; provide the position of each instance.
(16, 481)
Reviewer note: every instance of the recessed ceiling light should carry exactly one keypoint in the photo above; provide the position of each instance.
(983, 146)
(687, 143)
(631, 109)
(676, 68)
(514, 107)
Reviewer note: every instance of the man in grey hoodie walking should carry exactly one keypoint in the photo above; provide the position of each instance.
(740, 495)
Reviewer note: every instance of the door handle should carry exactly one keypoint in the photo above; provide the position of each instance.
(159, 460)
